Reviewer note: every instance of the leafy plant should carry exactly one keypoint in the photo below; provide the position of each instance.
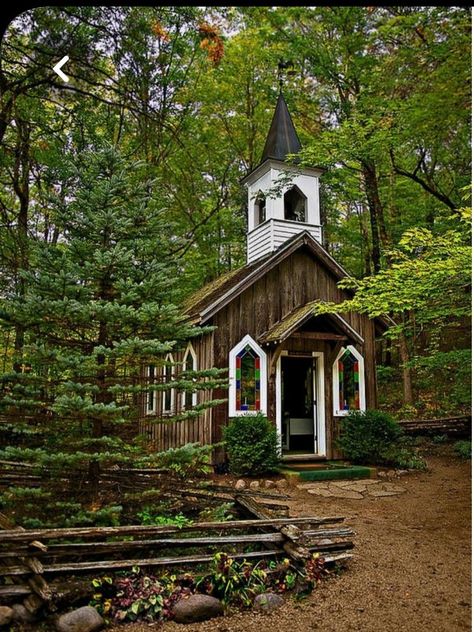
(147, 517)
(463, 449)
(252, 445)
(233, 582)
(221, 513)
(366, 436)
(440, 438)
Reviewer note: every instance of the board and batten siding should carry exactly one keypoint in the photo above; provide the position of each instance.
(162, 434)
(297, 280)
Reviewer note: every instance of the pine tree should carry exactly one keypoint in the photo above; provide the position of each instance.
(99, 305)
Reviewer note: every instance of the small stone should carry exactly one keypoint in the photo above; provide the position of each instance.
(21, 614)
(197, 608)
(268, 602)
(6, 615)
(391, 487)
(391, 473)
(382, 474)
(282, 483)
(254, 485)
(85, 619)
(320, 491)
(240, 484)
(402, 472)
(269, 484)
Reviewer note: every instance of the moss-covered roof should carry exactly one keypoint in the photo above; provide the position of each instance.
(210, 292)
(285, 327)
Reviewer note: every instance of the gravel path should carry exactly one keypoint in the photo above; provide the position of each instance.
(412, 567)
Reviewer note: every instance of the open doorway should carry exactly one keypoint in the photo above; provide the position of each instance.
(298, 405)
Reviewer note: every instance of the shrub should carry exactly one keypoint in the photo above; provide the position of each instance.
(252, 445)
(463, 449)
(366, 436)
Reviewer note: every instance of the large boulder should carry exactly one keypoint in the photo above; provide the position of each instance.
(267, 602)
(6, 615)
(85, 619)
(197, 608)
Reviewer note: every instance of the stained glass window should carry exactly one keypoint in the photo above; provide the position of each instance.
(349, 382)
(247, 380)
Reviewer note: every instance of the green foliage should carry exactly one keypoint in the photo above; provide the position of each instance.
(187, 461)
(233, 582)
(366, 436)
(221, 513)
(252, 445)
(374, 437)
(439, 439)
(136, 596)
(463, 449)
(148, 517)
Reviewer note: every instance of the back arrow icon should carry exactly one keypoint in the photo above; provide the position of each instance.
(59, 65)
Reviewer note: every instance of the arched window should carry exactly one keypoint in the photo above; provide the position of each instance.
(151, 394)
(168, 377)
(348, 381)
(189, 398)
(248, 378)
(295, 205)
(260, 209)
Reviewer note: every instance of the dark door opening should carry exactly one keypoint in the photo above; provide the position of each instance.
(298, 405)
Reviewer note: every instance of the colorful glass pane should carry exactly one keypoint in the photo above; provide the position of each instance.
(247, 382)
(349, 385)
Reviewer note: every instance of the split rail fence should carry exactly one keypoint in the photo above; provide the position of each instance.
(30, 559)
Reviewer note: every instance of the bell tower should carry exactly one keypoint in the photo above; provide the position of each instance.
(283, 198)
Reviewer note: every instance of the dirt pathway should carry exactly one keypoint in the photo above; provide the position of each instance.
(412, 567)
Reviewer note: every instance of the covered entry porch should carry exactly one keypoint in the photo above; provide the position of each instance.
(302, 349)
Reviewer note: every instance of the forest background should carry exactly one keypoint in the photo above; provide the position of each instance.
(119, 192)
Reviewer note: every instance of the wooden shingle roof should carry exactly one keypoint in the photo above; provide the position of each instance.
(294, 320)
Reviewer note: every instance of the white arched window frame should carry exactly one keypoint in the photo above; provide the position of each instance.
(236, 409)
(168, 397)
(338, 411)
(151, 394)
(191, 397)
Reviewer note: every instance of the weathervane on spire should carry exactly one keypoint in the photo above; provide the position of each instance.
(282, 67)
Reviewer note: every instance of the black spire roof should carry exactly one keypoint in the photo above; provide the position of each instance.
(282, 138)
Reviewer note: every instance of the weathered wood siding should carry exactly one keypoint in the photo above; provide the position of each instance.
(297, 280)
(163, 434)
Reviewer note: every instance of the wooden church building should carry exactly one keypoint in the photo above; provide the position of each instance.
(303, 371)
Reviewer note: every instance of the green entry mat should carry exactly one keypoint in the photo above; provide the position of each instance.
(328, 471)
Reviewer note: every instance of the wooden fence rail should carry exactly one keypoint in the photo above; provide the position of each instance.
(93, 550)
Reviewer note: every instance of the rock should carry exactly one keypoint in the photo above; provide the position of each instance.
(269, 484)
(382, 474)
(254, 485)
(320, 491)
(240, 484)
(282, 483)
(21, 614)
(6, 615)
(85, 619)
(268, 602)
(402, 472)
(381, 492)
(197, 608)
(338, 492)
(391, 473)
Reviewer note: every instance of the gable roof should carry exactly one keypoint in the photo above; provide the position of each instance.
(210, 299)
(281, 330)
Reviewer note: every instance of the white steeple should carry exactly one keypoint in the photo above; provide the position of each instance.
(283, 198)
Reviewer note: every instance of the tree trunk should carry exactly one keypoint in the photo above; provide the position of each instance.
(21, 187)
(406, 372)
(377, 222)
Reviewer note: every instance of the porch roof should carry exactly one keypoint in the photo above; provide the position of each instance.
(281, 330)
